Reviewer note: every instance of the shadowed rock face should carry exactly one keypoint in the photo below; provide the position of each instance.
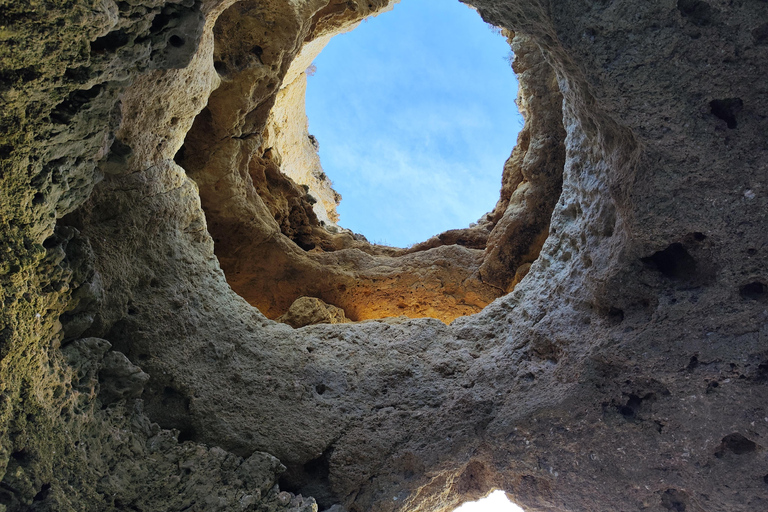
(626, 371)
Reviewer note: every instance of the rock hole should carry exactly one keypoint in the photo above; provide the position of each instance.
(44, 491)
(615, 315)
(5, 151)
(674, 262)
(178, 158)
(119, 153)
(161, 21)
(320, 389)
(736, 444)
(311, 479)
(66, 110)
(762, 372)
(444, 292)
(175, 413)
(692, 364)
(431, 118)
(631, 408)
(110, 42)
(187, 434)
(754, 291)
(20, 456)
(52, 241)
(726, 109)
(674, 500)
(496, 501)
(220, 67)
(176, 41)
(38, 199)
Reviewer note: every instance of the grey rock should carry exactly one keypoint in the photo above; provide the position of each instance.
(119, 378)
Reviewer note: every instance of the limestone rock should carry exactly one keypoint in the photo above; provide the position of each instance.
(269, 167)
(86, 356)
(310, 311)
(628, 370)
(287, 132)
(119, 378)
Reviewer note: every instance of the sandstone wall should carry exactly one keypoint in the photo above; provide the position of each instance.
(626, 371)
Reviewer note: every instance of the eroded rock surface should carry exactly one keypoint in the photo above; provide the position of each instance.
(286, 137)
(266, 166)
(311, 311)
(626, 371)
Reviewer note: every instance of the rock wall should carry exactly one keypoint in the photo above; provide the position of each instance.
(287, 134)
(626, 371)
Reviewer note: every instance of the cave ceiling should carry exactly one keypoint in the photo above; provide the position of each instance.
(598, 342)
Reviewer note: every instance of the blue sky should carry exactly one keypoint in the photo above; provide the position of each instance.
(414, 112)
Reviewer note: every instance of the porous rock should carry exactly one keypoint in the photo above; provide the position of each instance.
(626, 371)
(119, 378)
(310, 311)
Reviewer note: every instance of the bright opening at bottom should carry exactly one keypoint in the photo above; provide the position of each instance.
(495, 502)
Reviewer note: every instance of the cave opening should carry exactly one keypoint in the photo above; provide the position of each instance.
(496, 501)
(414, 114)
(274, 225)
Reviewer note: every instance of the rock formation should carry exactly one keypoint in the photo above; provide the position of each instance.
(243, 150)
(616, 352)
(311, 311)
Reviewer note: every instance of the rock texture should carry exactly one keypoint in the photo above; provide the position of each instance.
(625, 371)
(287, 134)
(246, 161)
(311, 311)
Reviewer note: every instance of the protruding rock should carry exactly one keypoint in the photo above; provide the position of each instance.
(119, 378)
(310, 311)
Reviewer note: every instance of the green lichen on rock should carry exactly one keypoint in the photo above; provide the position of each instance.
(647, 382)
(41, 41)
(59, 449)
